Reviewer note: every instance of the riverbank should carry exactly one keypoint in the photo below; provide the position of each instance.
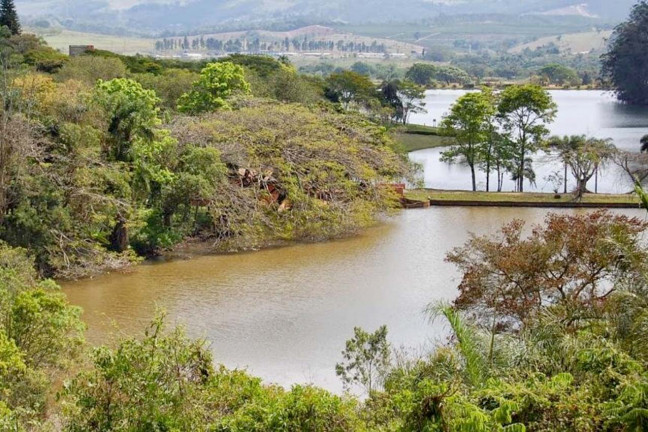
(413, 137)
(436, 197)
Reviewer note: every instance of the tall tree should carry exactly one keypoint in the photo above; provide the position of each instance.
(411, 96)
(626, 62)
(349, 87)
(9, 16)
(469, 122)
(570, 264)
(524, 112)
(583, 156)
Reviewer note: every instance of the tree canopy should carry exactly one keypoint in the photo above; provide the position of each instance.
(217, 82)
(625, 64)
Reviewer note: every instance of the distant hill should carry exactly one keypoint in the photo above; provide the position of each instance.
(155, 16)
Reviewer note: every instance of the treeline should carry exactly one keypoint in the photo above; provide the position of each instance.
(215, 45)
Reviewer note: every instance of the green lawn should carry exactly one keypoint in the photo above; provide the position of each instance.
(62, 39)
(414, 142)
(527, 197)
(419, 137)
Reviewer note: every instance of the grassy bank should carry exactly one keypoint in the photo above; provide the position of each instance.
(418, 137)
(525, 197)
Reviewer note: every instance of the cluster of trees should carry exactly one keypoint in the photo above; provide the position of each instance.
(546, 334)
(429, 75)
(257, 45)
(499, 132)
(392, 101)
(105, 159)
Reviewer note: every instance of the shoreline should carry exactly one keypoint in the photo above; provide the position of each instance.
(458, 198)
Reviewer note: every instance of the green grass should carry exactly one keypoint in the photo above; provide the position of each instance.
(527, 197)
(62, 39)
(413, 142)
(418, 137)
(574, 43)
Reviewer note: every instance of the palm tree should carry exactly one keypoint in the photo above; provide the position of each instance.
(584, 156)
(565, 145)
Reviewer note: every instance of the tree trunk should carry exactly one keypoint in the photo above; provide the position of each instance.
(488, 169)
(581, 188)
(565, 179)
(521, 175)
(119, 236)
(474, 177)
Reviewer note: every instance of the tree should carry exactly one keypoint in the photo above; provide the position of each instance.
(469, 122)
(366, 359)
(626, 62)
(40, 333)
(427, 74)
(349, 87)
(411, 96)
(571, 264)
(217, 83)
(131, 112)
(150, 384)
(524, 112)
(584, 156)
(9, 16)
(635, 165)
(558, 74)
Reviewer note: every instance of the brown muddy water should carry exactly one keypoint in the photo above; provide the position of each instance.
(284, 314)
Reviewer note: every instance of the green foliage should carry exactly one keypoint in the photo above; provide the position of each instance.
(428, 75)
(131, 113)
(625, 62)
(348, 87)
(39, 332)
(524, 112)
(217, 82)
(366, 358)
(90, 69)
(559, 74)
(169, 85)
(295, 173)
(148, 384)
(584, 156)
(470, 123)
(165, 381)
(9, 16)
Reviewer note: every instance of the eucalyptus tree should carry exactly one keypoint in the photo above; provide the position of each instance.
(524, 111)
(470, 122)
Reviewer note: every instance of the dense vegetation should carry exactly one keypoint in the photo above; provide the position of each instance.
(548, 334)
(626, 62)
(105, 158)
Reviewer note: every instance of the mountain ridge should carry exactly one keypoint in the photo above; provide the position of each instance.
(163, 15)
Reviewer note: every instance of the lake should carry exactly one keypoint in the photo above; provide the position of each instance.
(580, 112)
(286, 313)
